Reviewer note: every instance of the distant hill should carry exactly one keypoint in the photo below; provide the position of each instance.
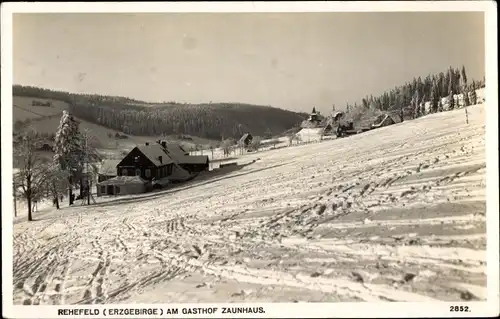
(137, 118)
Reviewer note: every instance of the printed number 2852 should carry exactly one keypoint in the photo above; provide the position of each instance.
(459, 309)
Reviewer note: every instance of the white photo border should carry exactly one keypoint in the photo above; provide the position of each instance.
(290, 310)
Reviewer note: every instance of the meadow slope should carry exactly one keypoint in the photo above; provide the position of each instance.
(393, 214)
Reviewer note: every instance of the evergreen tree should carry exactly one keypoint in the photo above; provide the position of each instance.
(364, 101)
(457, 80)
(473, 97)
(465, 94)
(464, 75)
(414, 104)
(451, 101)
(421, 109)
(441, 84)
(68, 149)
(434, 98)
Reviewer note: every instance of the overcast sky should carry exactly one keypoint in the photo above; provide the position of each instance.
(288, 60)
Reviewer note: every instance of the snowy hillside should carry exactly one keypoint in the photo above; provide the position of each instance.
(393, 214)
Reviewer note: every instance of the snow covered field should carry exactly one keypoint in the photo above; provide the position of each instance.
(397, 213)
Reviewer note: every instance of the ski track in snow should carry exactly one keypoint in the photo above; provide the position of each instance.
(394, 214)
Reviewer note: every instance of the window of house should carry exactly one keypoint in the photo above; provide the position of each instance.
(124, 172)
(148, 173)
(103, 189)
(117, 189)
(138, 172)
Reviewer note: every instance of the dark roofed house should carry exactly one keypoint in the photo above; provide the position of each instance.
(191, 163)
(194, 163)
(246, 139)
(150, 165)
(147, 161)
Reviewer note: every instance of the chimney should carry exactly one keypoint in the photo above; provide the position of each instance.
(147, 144)
(164, 144)
(160, 158)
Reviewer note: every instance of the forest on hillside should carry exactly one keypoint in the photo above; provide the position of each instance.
(408, 99)
(210, 120)
(230, 120)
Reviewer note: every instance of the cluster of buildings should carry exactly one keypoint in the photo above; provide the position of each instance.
(149, 166)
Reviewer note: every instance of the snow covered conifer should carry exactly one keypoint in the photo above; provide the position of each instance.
(464, 75)
(451, 101)
(473, 96)
(466, 96)
(68, 148)
(434, 98)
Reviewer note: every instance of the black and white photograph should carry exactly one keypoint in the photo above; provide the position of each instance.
(249, 157)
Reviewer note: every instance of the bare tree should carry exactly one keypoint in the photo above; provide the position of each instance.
(294, 137)
(256, 143)
(274, 142)
(241, 146)
(268, 134)
(226, 146)
(31, 177)
(91, 158)
(14, 192)
(56, 183)
(212, 150)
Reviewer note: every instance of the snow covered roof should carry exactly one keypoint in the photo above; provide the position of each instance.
(123, 180)
(179, 155)
(311, 134)
(337, 115)
(176, 151)
(108, 167)
(153, 153)
(383, 119)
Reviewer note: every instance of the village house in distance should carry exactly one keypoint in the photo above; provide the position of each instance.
(148, 166)
(246, 140)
